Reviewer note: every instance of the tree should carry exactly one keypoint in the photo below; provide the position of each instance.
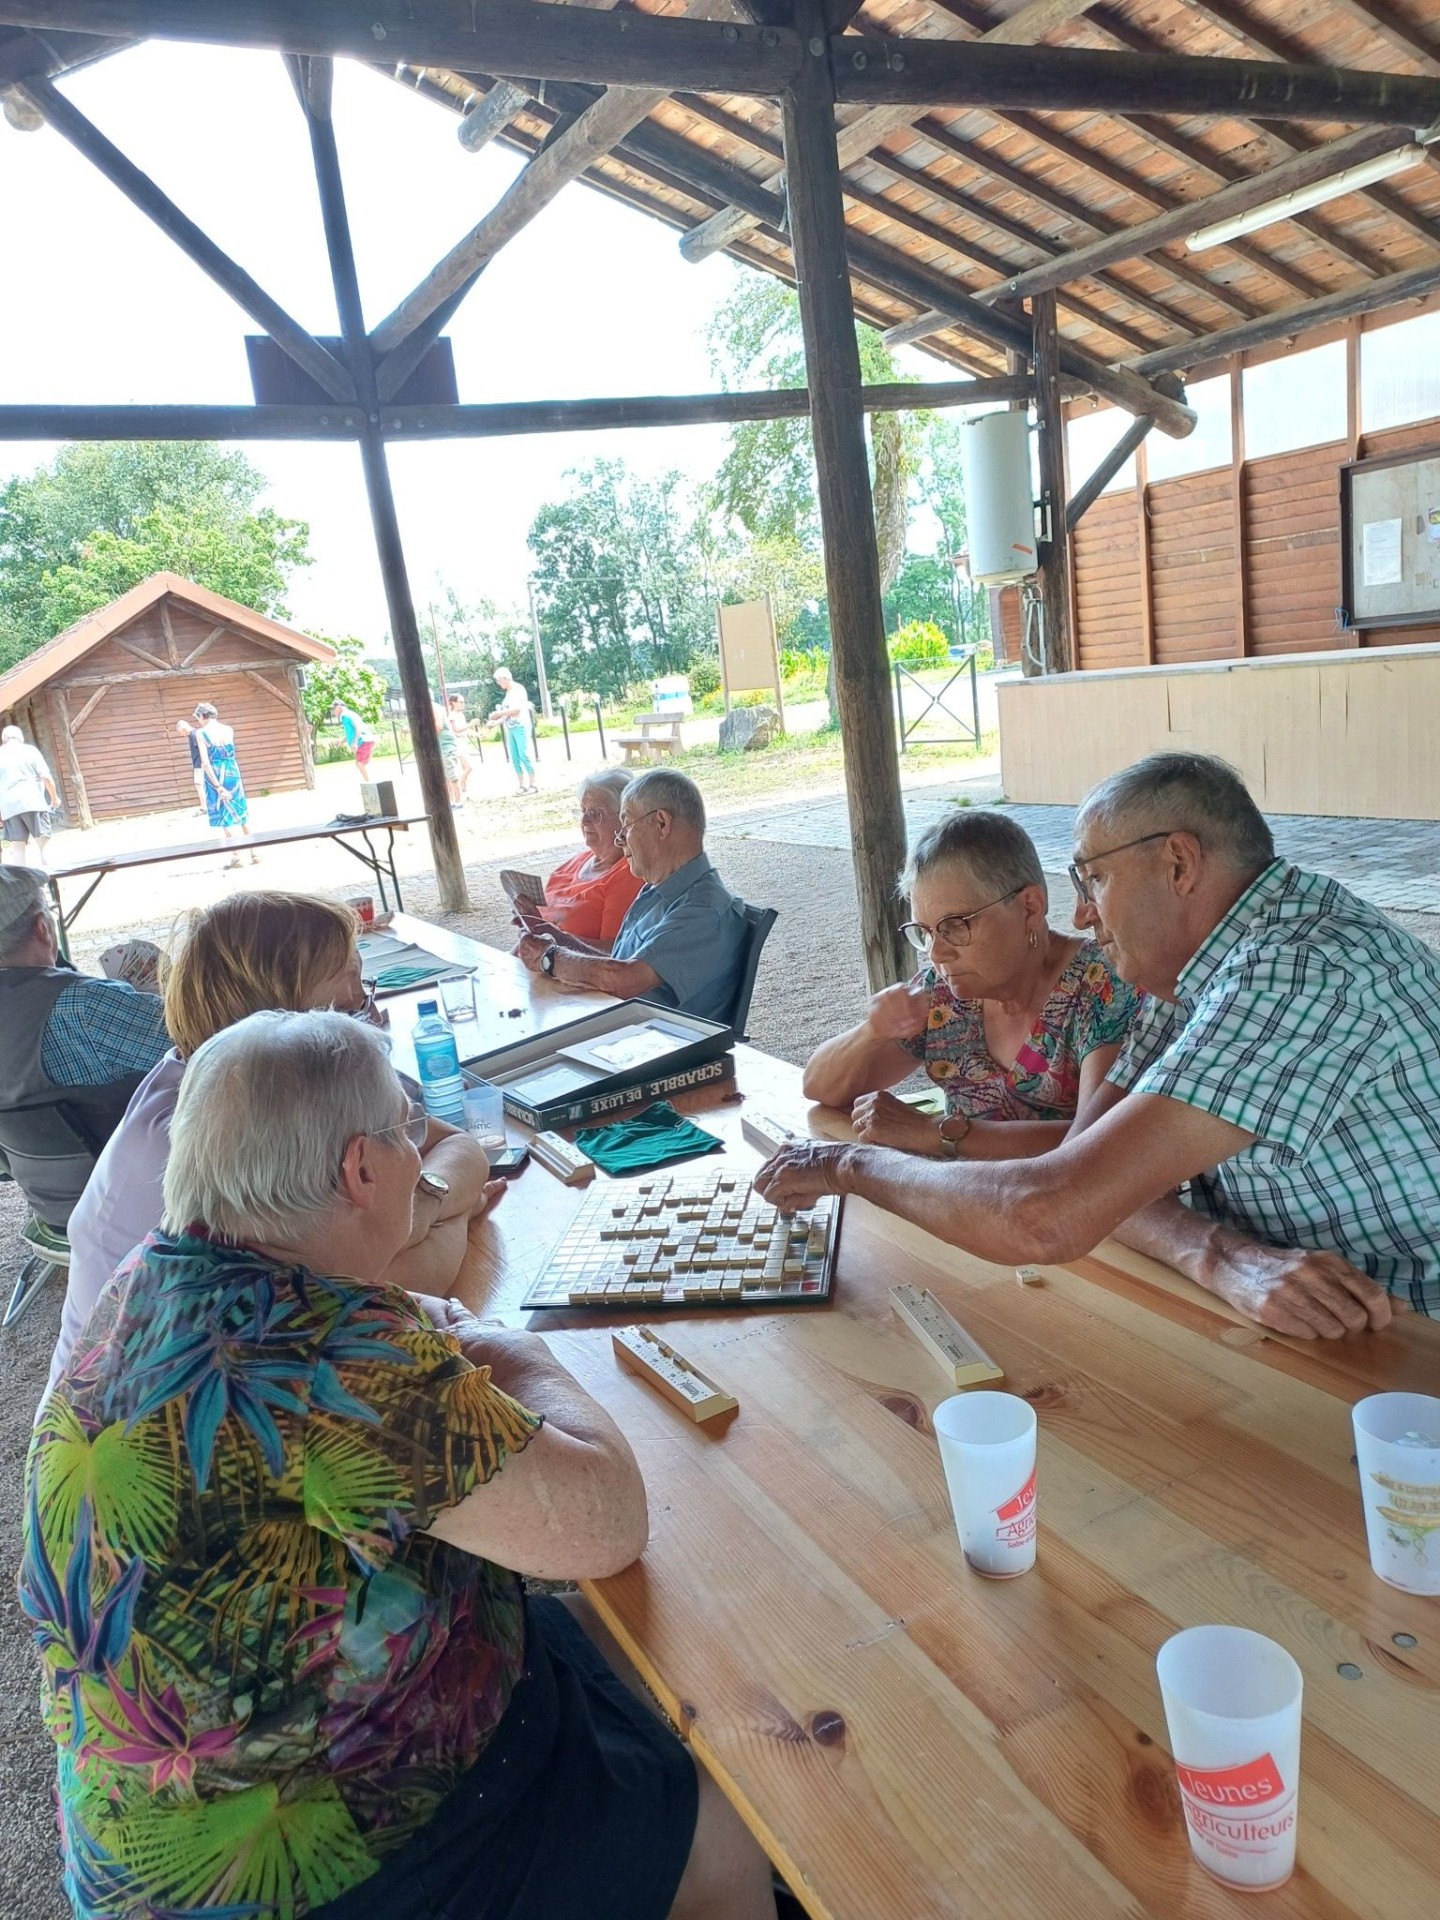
(100, 518)
(942, 489)
(348, 679)
(473, 641)
(620, 580)
(766, 481)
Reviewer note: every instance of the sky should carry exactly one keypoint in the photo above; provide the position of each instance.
(592, 298)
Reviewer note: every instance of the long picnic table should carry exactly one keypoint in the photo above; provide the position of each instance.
(342, 830)
(910, 1741)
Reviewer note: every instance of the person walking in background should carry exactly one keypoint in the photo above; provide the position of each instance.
(197, 772)
(359, 736)
(460, 726)
(514, 713)
(449, 753)
(225, 804)
(27, 793)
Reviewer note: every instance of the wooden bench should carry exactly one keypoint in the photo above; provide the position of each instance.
(659, 734)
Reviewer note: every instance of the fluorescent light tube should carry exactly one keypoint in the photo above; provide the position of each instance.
(1399, 160)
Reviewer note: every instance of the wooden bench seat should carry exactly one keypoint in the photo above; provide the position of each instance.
(657, 735)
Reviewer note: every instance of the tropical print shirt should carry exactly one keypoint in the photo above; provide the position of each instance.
(259, 1673)
(1089, 1006)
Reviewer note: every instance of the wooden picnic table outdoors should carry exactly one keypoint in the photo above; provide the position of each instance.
(910, 1740)
(340, 830)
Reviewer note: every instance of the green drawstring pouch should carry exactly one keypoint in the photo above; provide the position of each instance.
(652, 1139)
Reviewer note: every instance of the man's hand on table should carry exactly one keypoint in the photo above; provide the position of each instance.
(529, 948)
(880, 1120)
(799, 1174)
(1306, 1294)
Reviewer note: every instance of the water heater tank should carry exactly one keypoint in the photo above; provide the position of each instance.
(999, 505)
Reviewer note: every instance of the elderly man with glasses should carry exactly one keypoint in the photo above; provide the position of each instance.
(1272, 1128)
(682, 942)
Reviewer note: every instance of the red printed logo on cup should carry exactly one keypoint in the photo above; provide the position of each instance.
(1250, 1785)
(1017, 1516)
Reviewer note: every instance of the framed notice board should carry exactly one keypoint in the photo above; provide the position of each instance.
(1390, 539)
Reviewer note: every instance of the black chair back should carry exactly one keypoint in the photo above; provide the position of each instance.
(52, 1131)
(759, 921)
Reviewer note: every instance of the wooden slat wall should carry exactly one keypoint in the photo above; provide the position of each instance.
(131, 757)
(1292, 530)
(1105, 551)
(1192, 566)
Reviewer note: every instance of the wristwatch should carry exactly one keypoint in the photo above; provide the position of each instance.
(432, 1184)
(547, 961)
(950, 1142)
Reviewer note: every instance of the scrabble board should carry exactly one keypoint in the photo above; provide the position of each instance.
(689, 1240)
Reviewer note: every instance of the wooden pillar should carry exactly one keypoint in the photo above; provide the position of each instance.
(1147, 583)
(70, 759)
(1050, 432)
(847, 515)
(312, 84)
(302, 722)
(1237, 507)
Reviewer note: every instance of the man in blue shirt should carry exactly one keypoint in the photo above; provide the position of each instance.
(683, 940)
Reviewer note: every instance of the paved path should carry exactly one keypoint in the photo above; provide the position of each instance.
(1394, 863)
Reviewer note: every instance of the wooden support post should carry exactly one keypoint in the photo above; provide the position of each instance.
(1147, 584)
(69, 759)
(1081, 501)
(313, 91)
(1237, 507)
(1050, 431)
(847, 514)
(307, 744)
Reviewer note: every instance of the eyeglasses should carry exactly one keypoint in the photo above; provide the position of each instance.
(415, 1126)
(591, 816)
(1082, 885)
(626, 828)
(955, 929)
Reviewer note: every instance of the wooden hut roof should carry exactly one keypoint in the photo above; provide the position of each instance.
(86, 634)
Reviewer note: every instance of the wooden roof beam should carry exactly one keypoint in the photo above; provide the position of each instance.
(505, 37)
(1392, 291)
(1025, 27)
(1240, 197)
(872, 72)
(287, 333)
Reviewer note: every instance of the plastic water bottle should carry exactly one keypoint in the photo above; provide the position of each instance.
(438, 1065)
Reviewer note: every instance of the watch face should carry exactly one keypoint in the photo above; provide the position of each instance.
(432, 1183)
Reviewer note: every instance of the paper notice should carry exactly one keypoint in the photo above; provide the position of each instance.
(1382, 553)
(1432, 526)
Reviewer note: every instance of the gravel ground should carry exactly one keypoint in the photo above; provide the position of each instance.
(811, 984)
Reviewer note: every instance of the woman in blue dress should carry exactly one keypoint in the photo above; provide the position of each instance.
(225, 804)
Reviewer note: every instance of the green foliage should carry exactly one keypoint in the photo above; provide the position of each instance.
(704, 677)
(100, 518)
(349, 680)
(919, 643)
(778, 564)
(620, 584)
(474, 641)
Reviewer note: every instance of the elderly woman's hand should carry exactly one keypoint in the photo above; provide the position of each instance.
(881, 1120)
(899, 1013)
(801, 1173)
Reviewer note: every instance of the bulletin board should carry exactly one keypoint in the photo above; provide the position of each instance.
(1390, 530)
(749, 659)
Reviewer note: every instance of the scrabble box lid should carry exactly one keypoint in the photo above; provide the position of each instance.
(595, 1067)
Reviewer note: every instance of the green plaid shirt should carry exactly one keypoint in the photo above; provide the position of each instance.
(1313, 1022)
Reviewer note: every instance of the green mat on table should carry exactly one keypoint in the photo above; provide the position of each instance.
(652, 1139)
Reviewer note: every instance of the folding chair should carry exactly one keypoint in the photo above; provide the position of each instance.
(759, 920)
(39, 1133)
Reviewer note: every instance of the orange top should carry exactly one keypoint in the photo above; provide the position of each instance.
(590, 908)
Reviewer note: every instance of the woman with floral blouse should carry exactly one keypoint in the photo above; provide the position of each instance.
(1017, 1024)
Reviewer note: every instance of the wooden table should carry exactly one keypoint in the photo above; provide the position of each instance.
(342, 832)
(909, 1740)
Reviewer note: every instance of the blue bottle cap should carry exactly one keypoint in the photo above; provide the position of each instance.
(427, 1006)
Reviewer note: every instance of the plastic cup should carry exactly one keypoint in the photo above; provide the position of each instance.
(457, 996)
(363, 905)
(1397, 1449)
(485, 1115)
(1232, 1704)
(987, 1448)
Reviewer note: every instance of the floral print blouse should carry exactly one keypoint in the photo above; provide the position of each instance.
(259, 1672)
(1089, 1006)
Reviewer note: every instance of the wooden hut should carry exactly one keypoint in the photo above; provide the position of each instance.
(101, 699)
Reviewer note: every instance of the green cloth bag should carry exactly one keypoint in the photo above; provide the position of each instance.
(652, 1139)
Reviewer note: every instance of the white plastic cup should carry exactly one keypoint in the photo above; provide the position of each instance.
(1397, 1449)
(457, 996)
(1232, 1704)
(987, 1448)
(485, 1115)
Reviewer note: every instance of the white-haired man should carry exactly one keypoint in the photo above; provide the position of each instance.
(683, 940)
(27, 794)
(1286, 1077)
(64, 1038)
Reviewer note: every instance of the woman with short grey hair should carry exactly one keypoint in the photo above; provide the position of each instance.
(1017, 1024)
(277, 1516)
(588, 895)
